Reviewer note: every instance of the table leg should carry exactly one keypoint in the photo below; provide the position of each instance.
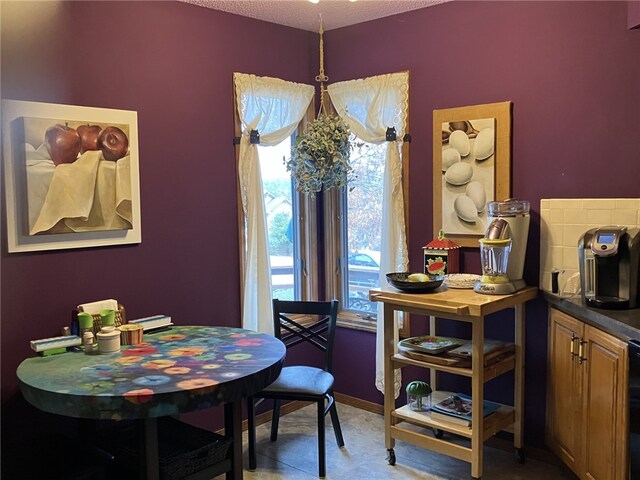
(233, 428)
(149, 458)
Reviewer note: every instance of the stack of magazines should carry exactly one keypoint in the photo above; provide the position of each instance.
(456, 409)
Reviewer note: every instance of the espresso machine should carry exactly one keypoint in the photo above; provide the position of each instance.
(503, 248)
(609, 260)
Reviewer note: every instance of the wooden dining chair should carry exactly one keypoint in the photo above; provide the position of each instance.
(296, 323)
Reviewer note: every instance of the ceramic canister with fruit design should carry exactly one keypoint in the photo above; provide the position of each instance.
(441, 256)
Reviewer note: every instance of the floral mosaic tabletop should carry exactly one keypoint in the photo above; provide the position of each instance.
(174, 371)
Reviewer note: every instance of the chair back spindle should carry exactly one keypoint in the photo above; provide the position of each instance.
(307, 322)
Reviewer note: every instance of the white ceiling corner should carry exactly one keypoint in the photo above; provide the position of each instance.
(305, 15)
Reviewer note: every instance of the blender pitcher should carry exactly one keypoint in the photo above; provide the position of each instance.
(494, 257)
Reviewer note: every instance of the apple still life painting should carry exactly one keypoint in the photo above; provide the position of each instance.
(71, 176)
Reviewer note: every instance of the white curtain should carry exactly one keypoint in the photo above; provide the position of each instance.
(370, 106)
(274, 108)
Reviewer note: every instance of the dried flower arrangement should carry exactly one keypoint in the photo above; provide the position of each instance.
(320, 158)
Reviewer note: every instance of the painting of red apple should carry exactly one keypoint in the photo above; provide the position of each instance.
(71, 176)
(63, 143)
(77, 175)
(89, 136)
(113, 143)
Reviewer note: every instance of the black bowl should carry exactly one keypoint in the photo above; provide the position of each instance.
(400, 281)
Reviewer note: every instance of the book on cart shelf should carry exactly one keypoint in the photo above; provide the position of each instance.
(456, 409)
(491, 348)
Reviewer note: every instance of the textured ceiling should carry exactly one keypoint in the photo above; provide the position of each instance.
(305, 15)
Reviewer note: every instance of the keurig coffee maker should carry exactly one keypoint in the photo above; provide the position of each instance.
(610, 267)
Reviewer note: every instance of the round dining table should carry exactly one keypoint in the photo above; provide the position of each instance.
(179, 370)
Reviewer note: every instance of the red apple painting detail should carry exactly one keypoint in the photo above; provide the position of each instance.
(113, 143)
(63, 144)
(89, 136)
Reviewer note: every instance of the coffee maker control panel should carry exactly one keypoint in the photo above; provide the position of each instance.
(607, 240)
(609, 259)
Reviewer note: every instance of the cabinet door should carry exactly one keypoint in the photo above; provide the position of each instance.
(564, 435)
(604, 406)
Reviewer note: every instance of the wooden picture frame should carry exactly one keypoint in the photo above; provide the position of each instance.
(58, 197)
(484, 171)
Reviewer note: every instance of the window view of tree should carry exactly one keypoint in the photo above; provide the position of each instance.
(279, 209)
(363, 226)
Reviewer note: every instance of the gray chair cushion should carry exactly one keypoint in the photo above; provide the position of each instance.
(302, 379)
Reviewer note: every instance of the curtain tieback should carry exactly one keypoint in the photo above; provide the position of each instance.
(391, 136)
(254, 138)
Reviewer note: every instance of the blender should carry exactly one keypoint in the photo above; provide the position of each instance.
(503, 249)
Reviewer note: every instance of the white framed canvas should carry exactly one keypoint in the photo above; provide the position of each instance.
(71, 176)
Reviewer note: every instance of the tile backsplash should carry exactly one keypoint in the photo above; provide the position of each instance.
(564, 220)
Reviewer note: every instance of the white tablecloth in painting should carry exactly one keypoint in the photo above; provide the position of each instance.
(91, 194)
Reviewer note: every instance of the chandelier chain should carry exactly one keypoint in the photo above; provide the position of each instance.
(321, 77)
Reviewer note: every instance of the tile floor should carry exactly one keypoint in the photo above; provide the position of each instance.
(294, 455)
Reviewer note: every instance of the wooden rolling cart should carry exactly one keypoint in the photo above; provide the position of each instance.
(467, 306)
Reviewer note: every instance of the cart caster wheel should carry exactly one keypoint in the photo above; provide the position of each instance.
(391, 456)
(520, 455)
(438, 433)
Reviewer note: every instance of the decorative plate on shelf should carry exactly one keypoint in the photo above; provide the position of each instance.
(461, 280)
(430, 344)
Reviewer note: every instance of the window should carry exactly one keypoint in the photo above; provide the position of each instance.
(288, 227)
(362, 228)
(280, 211)
(268, 111)
(358, 218)
(365, 226)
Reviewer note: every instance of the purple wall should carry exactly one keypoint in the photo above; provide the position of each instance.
(173, 64)
(634, 14)
(571, 69)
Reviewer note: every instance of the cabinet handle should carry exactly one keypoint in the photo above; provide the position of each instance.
(581, 358)
(573, 339)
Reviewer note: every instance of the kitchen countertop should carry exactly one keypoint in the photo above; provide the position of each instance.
(624, 324)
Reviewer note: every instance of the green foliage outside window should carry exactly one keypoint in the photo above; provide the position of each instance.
(279, 243)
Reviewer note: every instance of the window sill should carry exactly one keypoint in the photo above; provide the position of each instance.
(356, 322)
(353, 321)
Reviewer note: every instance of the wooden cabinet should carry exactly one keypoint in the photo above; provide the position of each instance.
(587, 410)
